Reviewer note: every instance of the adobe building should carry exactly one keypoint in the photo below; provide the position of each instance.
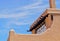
(45, 28)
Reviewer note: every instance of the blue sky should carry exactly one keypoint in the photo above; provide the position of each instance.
(20, 14)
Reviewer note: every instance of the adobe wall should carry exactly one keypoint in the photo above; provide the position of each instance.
(52, 34)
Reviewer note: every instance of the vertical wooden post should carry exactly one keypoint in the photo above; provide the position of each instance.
(52, 3)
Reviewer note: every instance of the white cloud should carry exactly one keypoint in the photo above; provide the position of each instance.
(11, 23)
(20, 23)
(25, 13)
(33, 6)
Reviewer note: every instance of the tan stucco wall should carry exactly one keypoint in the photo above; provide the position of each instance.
(52, 34)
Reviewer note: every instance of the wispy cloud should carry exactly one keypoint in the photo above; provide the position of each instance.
(19, 23)
(26, 11)
(38, 4)
(13, 15)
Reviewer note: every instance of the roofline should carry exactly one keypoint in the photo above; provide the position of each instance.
(52, 11)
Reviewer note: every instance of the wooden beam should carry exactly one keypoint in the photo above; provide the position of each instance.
(52, 3)
(53, 11)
